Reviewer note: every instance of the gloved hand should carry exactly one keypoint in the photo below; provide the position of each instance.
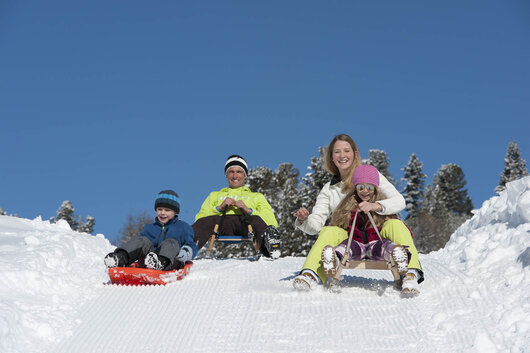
(185, 254)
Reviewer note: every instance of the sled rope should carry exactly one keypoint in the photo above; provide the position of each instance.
(347, 250)
(373, 225)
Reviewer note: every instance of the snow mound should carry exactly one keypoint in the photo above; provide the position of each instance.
(492, 250)
(497, 235)
(46, 272)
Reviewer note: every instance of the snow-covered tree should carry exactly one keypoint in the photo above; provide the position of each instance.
(67, 212)
(260, 179)
(281, 189)
(514, 166)
(314, 180)
(88, 226)
(414, 180)
(448, 191)
(379, 159)
(2, 212)
(133, 226)
(285, 199)
(446, 206)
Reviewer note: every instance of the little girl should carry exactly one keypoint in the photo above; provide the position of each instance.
(395, 242)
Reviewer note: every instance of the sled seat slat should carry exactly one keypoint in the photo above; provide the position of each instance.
(368, 265)
(232, 239)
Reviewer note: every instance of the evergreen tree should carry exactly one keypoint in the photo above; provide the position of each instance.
(260, 179)
(66, 212)
(281, 189)
(448, 191)
(88, 226)
(514, 166)
(4, 213)
(414, 180)
(285, 199)
(133, 226)
(379, 159)
(315, 180)
(446, 206)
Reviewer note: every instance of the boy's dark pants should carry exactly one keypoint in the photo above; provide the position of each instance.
(139, 247)
(232, 225)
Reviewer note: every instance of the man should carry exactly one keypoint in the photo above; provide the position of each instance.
(242, 207)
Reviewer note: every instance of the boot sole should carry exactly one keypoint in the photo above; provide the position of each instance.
(329, 272)
(301, 285)
(400, 258)
(409, 293)
(153, 264)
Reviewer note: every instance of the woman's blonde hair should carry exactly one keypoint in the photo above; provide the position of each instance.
(342, 215)
(332, 168)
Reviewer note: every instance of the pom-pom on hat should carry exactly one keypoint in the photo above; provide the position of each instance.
(168, 199)
(236, 161)
(365, 174)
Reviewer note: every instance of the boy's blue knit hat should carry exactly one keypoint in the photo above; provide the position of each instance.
(168, 199)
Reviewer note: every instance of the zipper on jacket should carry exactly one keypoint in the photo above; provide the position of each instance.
(159, 234)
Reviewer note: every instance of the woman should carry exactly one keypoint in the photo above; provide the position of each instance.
(342, 157)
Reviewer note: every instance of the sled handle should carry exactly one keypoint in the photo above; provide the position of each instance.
(216, 229)
(347, 250)
(373, 225)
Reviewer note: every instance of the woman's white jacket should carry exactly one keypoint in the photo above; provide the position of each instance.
(331, 195)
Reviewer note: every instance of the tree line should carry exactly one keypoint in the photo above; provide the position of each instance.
(433, 212)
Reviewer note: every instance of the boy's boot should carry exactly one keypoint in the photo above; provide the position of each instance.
(306, 281)
(118, 258)
(330, 261)
(156, 262)
(271, 237)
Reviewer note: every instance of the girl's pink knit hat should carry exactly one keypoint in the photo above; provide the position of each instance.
(365, 174)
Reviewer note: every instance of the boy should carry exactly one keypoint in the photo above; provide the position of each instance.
(164, 245)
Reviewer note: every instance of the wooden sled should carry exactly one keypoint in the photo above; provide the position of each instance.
(231, 239)
(367, 264)
(135, 275)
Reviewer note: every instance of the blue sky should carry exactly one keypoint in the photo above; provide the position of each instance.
(105, 103)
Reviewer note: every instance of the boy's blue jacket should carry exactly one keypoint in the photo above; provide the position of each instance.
(176, 229)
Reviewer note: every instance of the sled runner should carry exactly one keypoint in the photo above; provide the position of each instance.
(135, 275)
(367, 264)
(231, 239)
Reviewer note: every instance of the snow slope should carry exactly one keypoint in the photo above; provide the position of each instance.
(54, 297)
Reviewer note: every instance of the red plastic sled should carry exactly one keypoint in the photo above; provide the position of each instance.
(143, 276)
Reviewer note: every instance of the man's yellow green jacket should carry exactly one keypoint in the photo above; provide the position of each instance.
(254, 200)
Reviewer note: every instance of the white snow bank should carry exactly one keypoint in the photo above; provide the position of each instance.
(46, 272)
(492, 250)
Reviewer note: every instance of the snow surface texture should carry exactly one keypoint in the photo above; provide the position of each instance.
(54, 297)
